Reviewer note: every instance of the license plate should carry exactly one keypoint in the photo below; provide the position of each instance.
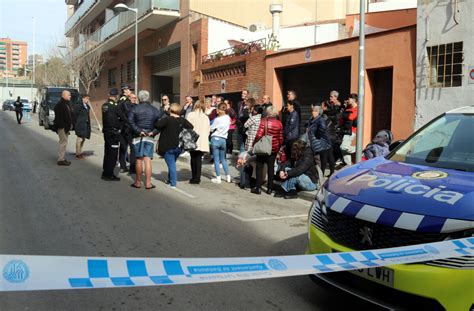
(379, 275)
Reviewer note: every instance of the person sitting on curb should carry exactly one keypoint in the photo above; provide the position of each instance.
(299, 173)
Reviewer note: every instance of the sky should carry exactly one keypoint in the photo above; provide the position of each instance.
(16, 22)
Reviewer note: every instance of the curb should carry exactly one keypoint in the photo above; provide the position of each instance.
(209, 173)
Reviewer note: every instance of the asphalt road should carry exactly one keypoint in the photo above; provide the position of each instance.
(46, 209)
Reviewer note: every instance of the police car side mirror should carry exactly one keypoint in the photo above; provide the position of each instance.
(395, 144)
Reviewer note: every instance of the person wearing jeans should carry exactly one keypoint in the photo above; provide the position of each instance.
(171, 156)
(303, 182)
(219, 131)
(299, 173)
(168, 146)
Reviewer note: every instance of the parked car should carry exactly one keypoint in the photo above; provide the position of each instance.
(422, 192)
(50, 96)
(8, 105)
(26, 104)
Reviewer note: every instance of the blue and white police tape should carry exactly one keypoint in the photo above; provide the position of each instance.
(24, 273)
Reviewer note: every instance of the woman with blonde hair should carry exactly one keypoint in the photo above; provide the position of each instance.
(202, 127)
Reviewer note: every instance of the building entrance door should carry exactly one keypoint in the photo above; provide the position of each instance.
(381, 82)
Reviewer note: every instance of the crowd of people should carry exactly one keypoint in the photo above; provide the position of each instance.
(273, 143)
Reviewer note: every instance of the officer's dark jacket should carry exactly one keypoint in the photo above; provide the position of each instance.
(292, 126)
(142, 118)
(112, 117)
(125, 105)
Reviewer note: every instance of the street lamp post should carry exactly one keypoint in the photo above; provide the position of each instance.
(33, 76)
(123, 8)
(361, 84)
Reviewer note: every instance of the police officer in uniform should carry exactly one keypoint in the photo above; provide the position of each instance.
(112, 119)
(125, 105)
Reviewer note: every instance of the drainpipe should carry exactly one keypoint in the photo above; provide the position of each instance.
(276, 9)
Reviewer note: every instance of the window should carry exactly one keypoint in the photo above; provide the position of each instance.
(445, 64)
(112, 77)
(194, 58)
(121, 73)
(131, 71)
(97, 82)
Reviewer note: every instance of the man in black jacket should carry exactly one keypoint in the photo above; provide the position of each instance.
(291, 129)
(125, 106)
(63, 118)
(291, 97)
(18, 110)
(112, 119)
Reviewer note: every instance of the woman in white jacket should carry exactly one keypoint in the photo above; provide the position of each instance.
(202, 127)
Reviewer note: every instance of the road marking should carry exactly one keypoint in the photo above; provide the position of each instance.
(262, 218)
(184, 193)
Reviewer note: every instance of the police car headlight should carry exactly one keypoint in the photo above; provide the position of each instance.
(318, 206)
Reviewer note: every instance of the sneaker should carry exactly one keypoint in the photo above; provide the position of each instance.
(64, 163)
(172, 187)
(228, 178)
(216, 180)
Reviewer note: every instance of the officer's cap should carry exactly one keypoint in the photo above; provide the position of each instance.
(113, 92)
(124, 86)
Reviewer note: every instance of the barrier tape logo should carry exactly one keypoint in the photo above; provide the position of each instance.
(16, 271)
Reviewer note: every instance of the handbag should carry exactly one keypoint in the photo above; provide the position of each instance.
(187, 139)
(264, 145)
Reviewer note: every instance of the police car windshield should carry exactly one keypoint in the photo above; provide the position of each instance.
(446, 142)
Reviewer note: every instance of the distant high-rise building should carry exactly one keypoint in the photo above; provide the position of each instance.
(38, 60)
(13, 56)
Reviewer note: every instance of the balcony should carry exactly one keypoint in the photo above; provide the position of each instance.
(152, 14)
(241, 49)
(81, 10)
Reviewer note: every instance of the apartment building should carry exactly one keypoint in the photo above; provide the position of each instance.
(444, 57)
(13, 56)
(182, 42)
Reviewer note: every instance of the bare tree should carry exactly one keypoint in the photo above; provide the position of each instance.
(89, 66)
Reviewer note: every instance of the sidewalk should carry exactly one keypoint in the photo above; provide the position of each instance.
(209, 172)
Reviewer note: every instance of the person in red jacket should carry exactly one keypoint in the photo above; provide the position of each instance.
(271, 126)
(348, 124)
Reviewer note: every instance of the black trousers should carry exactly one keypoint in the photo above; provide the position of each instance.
(288, 145)
(230, 143)
(336, 151)
(196, 165)
(323, 158)
(270, 161)
(19, 116)
(111, 150)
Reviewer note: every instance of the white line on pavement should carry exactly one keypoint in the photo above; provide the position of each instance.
(184, 193)
(262, 218)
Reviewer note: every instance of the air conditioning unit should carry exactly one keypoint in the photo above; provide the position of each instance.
(258, 26)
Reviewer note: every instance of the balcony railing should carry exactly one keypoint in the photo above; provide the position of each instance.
(123, 20)
(76, 16)
(241, 49)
